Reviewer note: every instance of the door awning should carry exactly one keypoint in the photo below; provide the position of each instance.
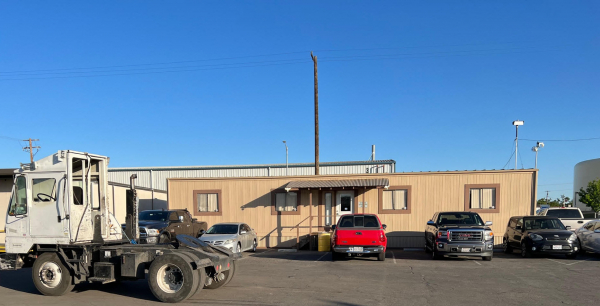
(368, 183)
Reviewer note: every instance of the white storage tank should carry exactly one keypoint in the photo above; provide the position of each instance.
(585, 172)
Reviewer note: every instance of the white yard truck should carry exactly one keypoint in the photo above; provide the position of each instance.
(571, 217)
(58, 224)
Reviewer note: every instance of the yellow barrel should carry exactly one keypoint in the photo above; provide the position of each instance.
(324, 242)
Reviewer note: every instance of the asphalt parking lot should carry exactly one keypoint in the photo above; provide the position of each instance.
(269, 277)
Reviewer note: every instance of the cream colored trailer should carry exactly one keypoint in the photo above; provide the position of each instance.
(282, 208)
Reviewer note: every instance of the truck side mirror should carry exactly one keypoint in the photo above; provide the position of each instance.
(568, 227)
(430, 223)
(384, 226)
(202, 232)
(488, 223)
(333, 227)
(180, 218)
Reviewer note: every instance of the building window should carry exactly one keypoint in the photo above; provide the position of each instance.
(285, 202)
(395, 200)
(207, 203)
(482, 197)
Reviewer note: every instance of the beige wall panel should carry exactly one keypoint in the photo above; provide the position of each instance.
(249, 200)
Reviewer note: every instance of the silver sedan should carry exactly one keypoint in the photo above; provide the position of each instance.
(589, 236)
(238, 237)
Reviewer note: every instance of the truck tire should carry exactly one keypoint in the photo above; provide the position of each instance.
(201, 273)
(435, 255)
(164, 238)
(172, 279)
(524, 251)
(381, 256)
(487, 258)
(50, 276)
(335, 256)
(506, 246)
(228, 277)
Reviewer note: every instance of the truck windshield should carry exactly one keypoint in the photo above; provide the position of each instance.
(359, 221)
(18, 203)
(154, 216)
(460, 219)
(223, 229)
(564, 213)
(533, 224)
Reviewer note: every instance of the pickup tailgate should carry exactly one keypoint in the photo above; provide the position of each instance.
(358, 237)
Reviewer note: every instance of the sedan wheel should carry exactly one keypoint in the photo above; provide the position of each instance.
(524, 252)
(254, 246)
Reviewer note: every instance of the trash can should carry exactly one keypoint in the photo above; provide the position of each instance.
(324, 242)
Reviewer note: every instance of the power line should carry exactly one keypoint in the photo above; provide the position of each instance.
(556, 184)
(582, 139)
(77, 74)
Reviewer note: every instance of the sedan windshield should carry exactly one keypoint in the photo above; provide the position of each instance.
(223, 229)
(534, 224)
(154, 216)
(460, 219)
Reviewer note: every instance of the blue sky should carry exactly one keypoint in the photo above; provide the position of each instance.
(435, 85)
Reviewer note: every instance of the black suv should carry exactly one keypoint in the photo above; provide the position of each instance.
(459, 234)
(539, 235)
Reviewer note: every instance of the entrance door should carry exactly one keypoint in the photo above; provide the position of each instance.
(344, 203)
(47, 195)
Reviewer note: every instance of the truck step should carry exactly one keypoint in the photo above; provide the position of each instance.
(101, 280)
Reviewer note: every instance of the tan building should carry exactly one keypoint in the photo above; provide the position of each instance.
(282, 208)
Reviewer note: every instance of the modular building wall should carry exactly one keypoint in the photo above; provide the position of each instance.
(249, 200)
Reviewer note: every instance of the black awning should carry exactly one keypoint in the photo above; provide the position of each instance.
(372, 183)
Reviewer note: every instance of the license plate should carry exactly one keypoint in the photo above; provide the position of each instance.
(465, 250)
(557, 247)
(356, 249)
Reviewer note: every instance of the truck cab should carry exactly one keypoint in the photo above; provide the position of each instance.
(359, 234)
(571, 217)
(58, 200)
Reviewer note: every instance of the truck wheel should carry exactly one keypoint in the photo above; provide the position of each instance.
(228, 277)
(487, 258)
(507, 248)
(524, 252)
(164, 238)
(172, 279)
(435, 255)
(381, 256)
(50, 276)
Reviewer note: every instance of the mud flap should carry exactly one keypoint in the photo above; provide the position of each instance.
(10, 262)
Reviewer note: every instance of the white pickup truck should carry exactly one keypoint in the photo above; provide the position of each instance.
(571, 217)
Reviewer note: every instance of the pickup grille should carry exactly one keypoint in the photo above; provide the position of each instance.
(465, 236)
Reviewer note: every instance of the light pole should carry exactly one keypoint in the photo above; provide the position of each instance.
(535, 149)
(517, 123)
(286, 158)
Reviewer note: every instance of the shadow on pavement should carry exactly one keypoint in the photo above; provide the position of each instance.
(19, 280)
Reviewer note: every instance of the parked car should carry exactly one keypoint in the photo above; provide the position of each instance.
(571, 217)
(539, 235)
(162, 226)
(359, 234)
(459, 234)
(589, 236)
(238, 237)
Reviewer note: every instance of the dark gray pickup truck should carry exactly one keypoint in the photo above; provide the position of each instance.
(459, 234)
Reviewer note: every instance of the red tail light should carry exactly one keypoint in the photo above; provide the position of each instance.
(382, 236)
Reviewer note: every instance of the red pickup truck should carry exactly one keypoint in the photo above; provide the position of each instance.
(359, 234)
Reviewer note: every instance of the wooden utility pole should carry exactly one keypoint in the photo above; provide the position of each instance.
(314, 58)
(30, 148)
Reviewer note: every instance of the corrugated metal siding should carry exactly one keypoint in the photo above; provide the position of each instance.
(160, 176)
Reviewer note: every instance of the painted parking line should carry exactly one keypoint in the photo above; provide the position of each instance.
(556, 261)
(393, 256)
(577, 262)
(322, 256)
(477, 262)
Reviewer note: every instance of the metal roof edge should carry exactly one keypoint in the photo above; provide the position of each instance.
(226, 167)
(294, 177)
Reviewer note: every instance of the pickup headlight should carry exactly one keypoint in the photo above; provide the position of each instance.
(489, 235)
(536, 237)
(573, 237)
(230, 241)
(152, 232)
